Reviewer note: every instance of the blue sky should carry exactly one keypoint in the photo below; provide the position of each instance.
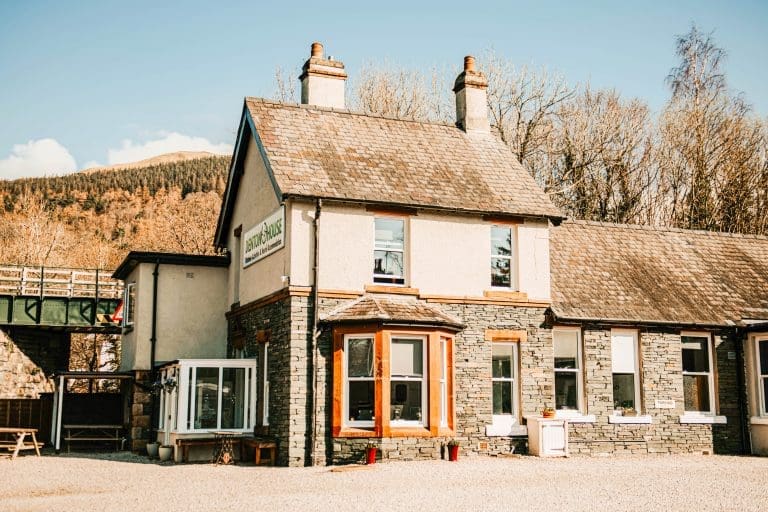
(99, 82)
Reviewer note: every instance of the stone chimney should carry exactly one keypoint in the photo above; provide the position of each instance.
(322, 80)
(471, 99)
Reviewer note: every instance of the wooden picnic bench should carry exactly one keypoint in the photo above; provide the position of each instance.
(184, 443)
(93, 433)
(18, 444)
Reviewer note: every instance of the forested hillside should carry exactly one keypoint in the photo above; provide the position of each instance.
(93, 219)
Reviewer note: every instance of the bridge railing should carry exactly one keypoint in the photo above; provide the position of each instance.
(58, 282)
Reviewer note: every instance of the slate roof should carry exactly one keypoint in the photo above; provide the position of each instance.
(655, 275)
(391, 309)
(337, 154)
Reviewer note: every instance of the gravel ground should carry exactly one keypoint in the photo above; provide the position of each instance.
(125, 482)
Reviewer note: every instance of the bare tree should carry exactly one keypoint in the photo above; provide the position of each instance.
(710, 146)
(285, 86)
(523, 103)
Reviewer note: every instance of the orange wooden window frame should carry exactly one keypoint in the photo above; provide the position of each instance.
(381, 378)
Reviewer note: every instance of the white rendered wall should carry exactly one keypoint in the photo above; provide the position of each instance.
(256, 199)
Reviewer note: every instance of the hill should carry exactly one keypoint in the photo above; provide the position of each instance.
(167, 158)
(93, 218)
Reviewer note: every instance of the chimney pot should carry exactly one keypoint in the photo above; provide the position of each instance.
(471, 99)
(317, 50)
(469, 63)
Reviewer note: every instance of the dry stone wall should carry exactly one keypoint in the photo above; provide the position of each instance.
(27, 362)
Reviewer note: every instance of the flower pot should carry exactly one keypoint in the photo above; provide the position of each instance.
(165, 452)
(152, 450)
(370, 455)
(548, 414)
(453, 453)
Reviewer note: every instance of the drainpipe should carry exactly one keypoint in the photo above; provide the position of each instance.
(740, 338)
(315, 331)
(152, 343)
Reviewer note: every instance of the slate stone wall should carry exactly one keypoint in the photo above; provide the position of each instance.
(28, 358)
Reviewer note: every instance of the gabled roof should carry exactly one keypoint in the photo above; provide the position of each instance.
(389, 309)
(640, 274)
(327, 153)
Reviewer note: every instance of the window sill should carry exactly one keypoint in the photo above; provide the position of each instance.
(698, 418)
(644, 419)
(505, 430)
(580, 418)
(758, 420)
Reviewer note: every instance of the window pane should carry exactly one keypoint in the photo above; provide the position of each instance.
(500, 272)
(765, 395)
(696, 390)
(207, 397)
(233, 398)
(695, 354)
(501, 241)
(566, 349)
(390, 233)
(360, 354)
(388, 263)
(502, 361)
(360, 400)
(406, 358)
(623, 353)
(763, 357)
(566, 391)
(405, 400)
(502, 397)
(624, 390)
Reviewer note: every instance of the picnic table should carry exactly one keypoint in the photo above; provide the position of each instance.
(94, 433)
(20, 434)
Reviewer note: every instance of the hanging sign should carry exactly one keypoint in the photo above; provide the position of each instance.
(264, 238)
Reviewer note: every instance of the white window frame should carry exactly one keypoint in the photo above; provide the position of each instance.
(710, 374)
(347, 379)
(513, 282)
(636, 345)
(505, 422)
(424, 382)
(184, 396)
(129, 305)
(384, 278)
(763, 400)
(567, 413)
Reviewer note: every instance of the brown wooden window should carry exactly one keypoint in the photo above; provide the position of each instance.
(392, 382)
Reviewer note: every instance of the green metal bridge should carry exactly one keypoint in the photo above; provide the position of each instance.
(76, 300)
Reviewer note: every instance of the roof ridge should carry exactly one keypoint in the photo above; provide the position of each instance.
(669, 229)
(351, 112)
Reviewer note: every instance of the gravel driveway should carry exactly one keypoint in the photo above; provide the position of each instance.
(125, 482)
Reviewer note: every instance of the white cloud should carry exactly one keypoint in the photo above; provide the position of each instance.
(168, 142)
(42, 157)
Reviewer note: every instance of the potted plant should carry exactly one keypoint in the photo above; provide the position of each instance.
(453, 450)
(548, 412)
(370, 453)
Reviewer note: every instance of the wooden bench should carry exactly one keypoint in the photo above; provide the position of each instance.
(184, 443)
(259, 444)
(94, 433)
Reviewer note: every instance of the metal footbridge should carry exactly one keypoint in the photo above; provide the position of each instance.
(76, 300)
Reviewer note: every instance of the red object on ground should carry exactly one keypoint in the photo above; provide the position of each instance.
(453, 453)
(370, 455)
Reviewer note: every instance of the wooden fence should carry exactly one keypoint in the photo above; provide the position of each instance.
(28, 412)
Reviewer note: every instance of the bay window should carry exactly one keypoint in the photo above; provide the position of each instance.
(392, 382)
(624, 366)
(502, 257)
(761, 345)
(389, 251)
(568, 379)
(698, 382)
